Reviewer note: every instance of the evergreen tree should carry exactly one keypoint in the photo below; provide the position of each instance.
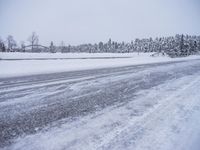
(52, 48)
(182, 51)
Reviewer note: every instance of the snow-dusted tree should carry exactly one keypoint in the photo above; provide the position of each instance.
(2, 46)
(182, 50)
(198, 44)
(174, 46)
(109, 45)
(52, 48)
(192, 47)
(101, 47)
(62, 47)
(11, 43)
(22, 43)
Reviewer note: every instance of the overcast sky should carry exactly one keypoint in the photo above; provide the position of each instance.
(89, 21)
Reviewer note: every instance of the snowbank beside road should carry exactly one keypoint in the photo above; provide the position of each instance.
(31, 67)
(18, 56)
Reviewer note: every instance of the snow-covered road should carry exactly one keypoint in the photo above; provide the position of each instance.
(144, 107)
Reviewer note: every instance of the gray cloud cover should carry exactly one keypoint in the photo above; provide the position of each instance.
(84, 21)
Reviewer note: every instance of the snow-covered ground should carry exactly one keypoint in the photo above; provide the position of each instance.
(145, 107)
(18, 55)
(20, 64)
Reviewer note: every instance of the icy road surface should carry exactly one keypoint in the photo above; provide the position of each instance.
(144, 107)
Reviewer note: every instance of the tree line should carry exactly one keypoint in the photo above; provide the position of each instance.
(174, 46)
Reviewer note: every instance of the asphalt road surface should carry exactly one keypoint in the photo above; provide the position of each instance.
(34, 104)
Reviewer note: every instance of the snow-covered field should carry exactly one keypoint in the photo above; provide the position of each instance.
(20, 64)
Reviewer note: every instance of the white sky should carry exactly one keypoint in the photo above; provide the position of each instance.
(90, 21)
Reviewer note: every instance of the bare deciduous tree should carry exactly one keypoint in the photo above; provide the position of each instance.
(22, 43)
(34, 40)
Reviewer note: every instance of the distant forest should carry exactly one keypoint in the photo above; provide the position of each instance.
(174, 46)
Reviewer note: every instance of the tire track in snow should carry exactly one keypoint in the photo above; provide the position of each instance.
(135, 131)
